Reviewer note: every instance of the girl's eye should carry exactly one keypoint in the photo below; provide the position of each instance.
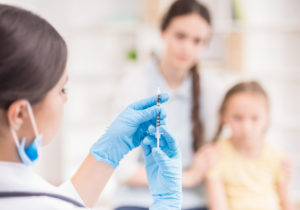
(180, 36)
(197, 41)
(237, 118)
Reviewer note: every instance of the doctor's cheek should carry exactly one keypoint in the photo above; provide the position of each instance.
(51, 120)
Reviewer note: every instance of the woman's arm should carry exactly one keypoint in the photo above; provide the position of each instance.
(91, 178)
(284, 196)
(283, 183)
(192, 176)
(214, 184)
(216, 194)
(204, 159)
(283, 180)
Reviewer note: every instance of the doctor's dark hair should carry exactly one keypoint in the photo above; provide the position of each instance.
(180, 8)
(252, 87)
(32, 56)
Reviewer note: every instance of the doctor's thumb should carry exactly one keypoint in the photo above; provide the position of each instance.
(151, 114)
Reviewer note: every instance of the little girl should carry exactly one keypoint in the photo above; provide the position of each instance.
(247, 173)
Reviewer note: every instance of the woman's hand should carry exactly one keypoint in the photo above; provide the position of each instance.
(128, 130)
(193, 175)
(287, 167)
(163, 168)
(210, 154)
(204, 159)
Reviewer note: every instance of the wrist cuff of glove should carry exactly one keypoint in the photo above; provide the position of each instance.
(162, 202)
(109, 151)
(105, 159)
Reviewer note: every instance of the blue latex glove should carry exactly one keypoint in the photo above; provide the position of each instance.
(164, 171)
(128, 130)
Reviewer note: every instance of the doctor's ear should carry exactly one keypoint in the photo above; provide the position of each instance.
(17, 113)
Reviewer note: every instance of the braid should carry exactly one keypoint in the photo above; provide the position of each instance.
(197, 126)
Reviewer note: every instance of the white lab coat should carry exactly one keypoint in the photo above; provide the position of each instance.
(19, 177)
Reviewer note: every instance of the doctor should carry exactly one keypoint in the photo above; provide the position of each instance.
(32, 78)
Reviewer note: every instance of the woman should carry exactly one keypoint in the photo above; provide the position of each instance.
(192, 108)
(32, 78)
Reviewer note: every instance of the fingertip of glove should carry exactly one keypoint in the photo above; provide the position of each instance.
(151, 129)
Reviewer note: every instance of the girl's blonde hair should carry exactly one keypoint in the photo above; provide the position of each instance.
(242, 87)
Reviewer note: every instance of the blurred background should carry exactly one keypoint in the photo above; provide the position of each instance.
(252, 39)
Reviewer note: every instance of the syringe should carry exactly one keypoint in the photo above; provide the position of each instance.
(157, 133)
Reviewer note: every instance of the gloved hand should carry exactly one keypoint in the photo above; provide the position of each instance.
(128, 130)
(164, 171)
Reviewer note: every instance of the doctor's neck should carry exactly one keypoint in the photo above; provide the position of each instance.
(8, 149)
(172, 74)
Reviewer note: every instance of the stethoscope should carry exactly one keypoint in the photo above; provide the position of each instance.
(31, 194)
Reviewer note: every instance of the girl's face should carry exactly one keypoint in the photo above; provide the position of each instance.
(248, 117)
(185, 37)
(48, 112)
